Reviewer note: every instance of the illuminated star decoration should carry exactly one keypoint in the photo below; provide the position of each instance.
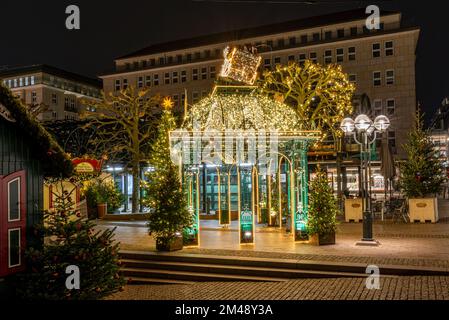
(167, 103)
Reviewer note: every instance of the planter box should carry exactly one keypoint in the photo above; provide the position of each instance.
(354, 210)
(102, 210)
(173, 245)
(322, 239)
(423, 209)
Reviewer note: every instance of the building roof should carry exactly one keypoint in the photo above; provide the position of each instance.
(54, 160)
(22, 70)
(323, 20)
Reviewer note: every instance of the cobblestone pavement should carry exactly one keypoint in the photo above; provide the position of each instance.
(401, 244)
(398, 288)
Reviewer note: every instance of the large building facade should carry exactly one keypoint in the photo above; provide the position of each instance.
(60, 94)
(380, 62)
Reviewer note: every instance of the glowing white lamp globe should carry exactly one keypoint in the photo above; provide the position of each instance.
(347, 125)
(363, 122)
(381, 123)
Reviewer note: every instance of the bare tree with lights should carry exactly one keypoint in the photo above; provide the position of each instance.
(124, 123)
(320, 95)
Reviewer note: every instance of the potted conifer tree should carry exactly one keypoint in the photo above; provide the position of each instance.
(323, 210)
(422, 175)
(168, 215)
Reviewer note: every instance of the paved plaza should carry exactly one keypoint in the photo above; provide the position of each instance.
(397, 288)
(401, 244)
(404, 244)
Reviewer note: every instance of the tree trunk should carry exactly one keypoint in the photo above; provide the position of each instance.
(136, 187)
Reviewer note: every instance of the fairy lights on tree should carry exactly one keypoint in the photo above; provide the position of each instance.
(320, 95)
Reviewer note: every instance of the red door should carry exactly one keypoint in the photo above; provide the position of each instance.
(12, 222)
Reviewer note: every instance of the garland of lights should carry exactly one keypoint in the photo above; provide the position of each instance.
(239, 111)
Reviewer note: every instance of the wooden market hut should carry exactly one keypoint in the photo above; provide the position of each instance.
(28, 153)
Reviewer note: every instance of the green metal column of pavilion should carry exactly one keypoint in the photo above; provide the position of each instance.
(191, 185)
(246, 206)
(302, 189)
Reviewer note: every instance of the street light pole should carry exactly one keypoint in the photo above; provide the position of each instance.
(366, 128)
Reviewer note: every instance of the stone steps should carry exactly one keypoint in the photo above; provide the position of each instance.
(177, 268)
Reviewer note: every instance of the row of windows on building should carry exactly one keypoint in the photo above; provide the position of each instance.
(389, 78)
(173, 77)
(204, 73)
(279, 43)
(330, 56)
(51, 81)
(20, 82)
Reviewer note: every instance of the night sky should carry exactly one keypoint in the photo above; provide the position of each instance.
(34, 31)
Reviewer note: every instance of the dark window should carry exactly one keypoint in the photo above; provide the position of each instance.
(340, 54)
(140, 82)
(352, 78)
(291, 58)
(148, 81)
(212, 72)
(156, 80)
(304, 38)
(302, 58)
(183, 76)
(341, 33)
(312, 57)
(144, 63)
(152, 62)
(328, 56)
(207, 53)
(189, 57)
(170, 59)
(277, 60)
(365, 30)
(267, 63)
(161, 60)
(316, 36)
(351, 53)
(197, 55)
(167, 78)
(203, 73)
(353, 31)
(14, 247)
(292, 41)
(389, 48)
(381, 26)
(217, 52)
(125, 83)
(136, 65)
(392, 139)
(328, 35)
(377, 78)
(270, 43)
(376, 50)
(128, 66)
(14, 200)
(175, 77)
(391, 106)
(194, 74)
(281, 43)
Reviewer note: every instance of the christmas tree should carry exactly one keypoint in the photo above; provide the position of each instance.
(168, 214)
(70, 240)
(422, 174)
(322, 206)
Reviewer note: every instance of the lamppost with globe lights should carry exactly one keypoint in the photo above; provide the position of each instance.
(365, 131)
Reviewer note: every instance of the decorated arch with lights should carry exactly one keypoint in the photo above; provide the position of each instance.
(242, 153)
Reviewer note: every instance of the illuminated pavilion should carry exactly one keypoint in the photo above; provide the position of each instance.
(243, 155)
